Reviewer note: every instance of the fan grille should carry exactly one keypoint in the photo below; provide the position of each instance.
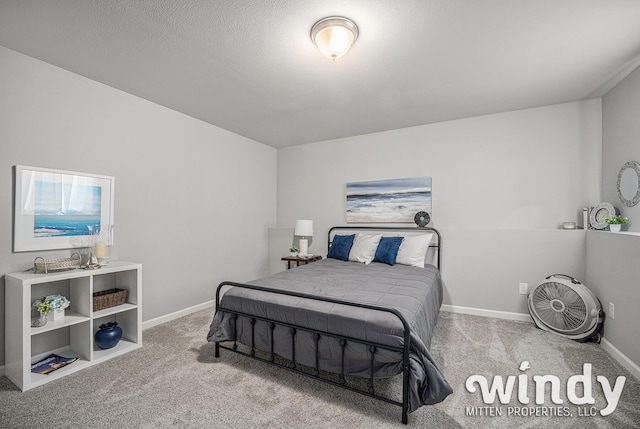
(559, 306)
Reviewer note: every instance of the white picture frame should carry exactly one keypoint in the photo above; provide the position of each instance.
(58, 209)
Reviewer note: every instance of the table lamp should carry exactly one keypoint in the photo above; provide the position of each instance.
(304, 228)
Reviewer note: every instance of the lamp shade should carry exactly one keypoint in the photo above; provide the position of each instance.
(304, 228)
(334, 36)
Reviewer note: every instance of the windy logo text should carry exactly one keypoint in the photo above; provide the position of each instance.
(575, 395)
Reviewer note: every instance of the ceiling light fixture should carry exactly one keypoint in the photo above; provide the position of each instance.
(334, 36)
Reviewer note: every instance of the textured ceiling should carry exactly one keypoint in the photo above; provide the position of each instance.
(251, 68)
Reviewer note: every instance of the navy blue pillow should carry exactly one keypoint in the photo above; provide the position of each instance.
(341, 246)
(387, 250)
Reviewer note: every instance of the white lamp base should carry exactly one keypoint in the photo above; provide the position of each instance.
(304, 247)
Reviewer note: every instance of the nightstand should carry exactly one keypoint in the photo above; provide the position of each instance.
(298, 260)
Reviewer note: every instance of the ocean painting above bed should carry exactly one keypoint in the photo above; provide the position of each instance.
(394, 200)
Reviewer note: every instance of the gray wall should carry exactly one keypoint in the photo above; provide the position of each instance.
(621, 140)
(502, 184)
(193, 203)
(613, 272)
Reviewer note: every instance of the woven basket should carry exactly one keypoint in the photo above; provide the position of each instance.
(48, 265)
(108, 298)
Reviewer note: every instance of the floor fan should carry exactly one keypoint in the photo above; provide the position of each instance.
(564, 306)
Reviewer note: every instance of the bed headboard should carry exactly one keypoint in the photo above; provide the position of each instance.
(436, 241)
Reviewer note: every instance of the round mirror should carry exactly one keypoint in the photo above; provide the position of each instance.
(629, 184)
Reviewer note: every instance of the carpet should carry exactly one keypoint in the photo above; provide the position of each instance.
(175, 381)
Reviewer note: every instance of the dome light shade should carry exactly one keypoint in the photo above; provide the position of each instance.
(334, 36)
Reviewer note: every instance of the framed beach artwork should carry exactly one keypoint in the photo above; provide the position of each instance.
(394, 200)
(57, 209)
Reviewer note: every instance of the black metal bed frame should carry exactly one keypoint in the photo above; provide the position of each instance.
(317, 334)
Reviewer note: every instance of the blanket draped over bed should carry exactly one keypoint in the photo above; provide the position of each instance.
(415, 292)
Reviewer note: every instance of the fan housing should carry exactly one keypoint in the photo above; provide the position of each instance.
(564, 306)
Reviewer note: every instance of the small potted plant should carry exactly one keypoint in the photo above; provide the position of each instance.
(58, 303)
(293, 251)
(615, 222)
(43, 307)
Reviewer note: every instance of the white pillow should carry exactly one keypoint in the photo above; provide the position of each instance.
(413, 250)
(364, 248)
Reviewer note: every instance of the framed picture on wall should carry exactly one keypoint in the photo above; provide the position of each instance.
(56, 209)
(392, 200)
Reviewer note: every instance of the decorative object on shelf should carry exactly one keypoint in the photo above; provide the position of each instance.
(58, 314)
(422, 219)
(599, 213)
(108, 336)
(92, 263)
(100, 250)
(108, 298)
(101, 246)
(393, 200)
(41, 265)
(39, 321)
(585, 218)
(568, 225)
(43, 307)
(51, 304)
(629, 184)
(56, 209)
(615, 222)
(304, 228)
(58, 303)
(293, 251)
(334, 36)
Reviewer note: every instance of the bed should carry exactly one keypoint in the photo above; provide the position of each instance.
(336, 319)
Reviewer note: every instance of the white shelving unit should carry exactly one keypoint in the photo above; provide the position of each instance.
(72, 336)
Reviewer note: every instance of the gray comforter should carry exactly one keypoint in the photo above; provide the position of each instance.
(415, 292)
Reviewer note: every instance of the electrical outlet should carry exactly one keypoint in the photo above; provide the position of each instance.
(612, 310)
(523, 288)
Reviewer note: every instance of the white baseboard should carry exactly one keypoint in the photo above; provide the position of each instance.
(621, 358)
(522, 317)
(175, 315)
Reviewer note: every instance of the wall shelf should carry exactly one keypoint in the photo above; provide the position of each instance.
(629, 233)
(72, 336)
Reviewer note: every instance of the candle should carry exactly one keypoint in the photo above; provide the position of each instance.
(100, 250)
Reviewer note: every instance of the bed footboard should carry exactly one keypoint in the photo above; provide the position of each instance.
(317, 335)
